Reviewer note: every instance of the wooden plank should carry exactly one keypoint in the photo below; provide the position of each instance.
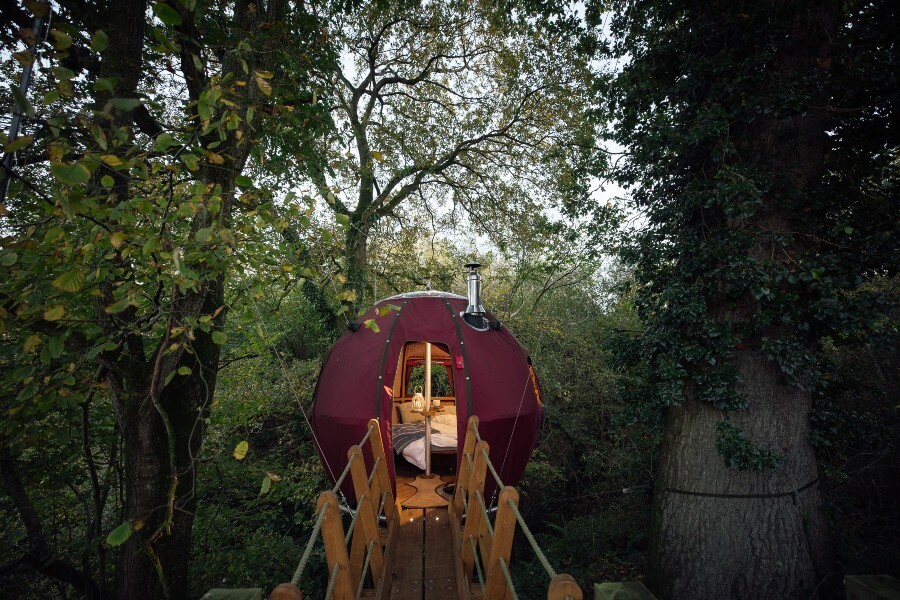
(440, 581)
(383, 591)
(406, 576)
(456, 556)
(474, 512)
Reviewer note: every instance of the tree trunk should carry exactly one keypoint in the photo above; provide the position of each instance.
(715, 547)
(356, 256)
(708, 546)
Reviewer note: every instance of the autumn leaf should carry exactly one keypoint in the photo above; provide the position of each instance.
(70, 281)
(240, 451)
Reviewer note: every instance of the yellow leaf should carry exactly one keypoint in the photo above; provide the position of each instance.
(263, 85)
(240, 451)
(273, 476)
(112, 160)
(55, 314)
(32, 343)
(117, 239)
(215, 159)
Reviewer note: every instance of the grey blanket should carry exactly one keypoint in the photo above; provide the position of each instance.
(406, 433)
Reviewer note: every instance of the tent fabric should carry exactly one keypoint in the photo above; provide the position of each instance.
(491, 378)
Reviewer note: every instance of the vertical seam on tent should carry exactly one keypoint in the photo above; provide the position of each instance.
(462, 350)
(379, 385)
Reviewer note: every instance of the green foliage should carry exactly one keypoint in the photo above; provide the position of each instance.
(736, 256)
(440, 383)
(740, 453)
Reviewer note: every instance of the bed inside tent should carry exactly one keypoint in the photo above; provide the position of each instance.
(408, 423)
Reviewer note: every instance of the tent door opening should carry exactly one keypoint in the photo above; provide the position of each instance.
(432, 448)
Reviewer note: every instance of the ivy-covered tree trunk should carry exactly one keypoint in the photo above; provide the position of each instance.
(738, 513)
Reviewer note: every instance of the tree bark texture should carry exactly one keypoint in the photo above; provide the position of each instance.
(706, 546)
(713, 547)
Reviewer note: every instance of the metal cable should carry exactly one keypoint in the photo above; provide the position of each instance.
(332, 581)
(309, 545)
(362, 578)
(508, 577)
(493, 471)
(353, 520)
(477, 562)
(484, 512)
(528, 535)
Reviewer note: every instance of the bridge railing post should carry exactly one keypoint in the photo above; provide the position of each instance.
(366, 529)
(473, 512)
(382, 475)
(504, 530)
(335, 546)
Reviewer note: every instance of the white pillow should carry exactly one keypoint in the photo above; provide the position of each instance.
(444, 419)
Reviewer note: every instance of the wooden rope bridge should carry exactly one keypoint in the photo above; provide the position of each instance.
(363, 560)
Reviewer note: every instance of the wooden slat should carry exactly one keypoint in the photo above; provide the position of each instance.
(406, 577)
(384, 478)
(440, 583)
(504, 530)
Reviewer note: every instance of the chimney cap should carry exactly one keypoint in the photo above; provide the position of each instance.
(472, 265)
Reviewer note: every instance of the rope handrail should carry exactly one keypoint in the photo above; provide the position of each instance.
(366, 437)
(509, 582)
(477, 562)
(374, 470)
(530, 537)
(340, 480)
(365, 570)
(298, 572)
(329, 593)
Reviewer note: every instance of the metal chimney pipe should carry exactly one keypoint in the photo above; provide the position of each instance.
(473, 283)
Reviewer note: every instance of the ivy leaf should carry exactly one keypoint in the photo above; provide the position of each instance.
(100, 41)
(166, 14)
(70, 173)
(55, 314)
(240, 451)
(70, 281)
(118, 535)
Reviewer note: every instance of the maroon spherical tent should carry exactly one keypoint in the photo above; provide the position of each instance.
(364, 376)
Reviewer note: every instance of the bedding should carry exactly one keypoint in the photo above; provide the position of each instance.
(409, 440)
